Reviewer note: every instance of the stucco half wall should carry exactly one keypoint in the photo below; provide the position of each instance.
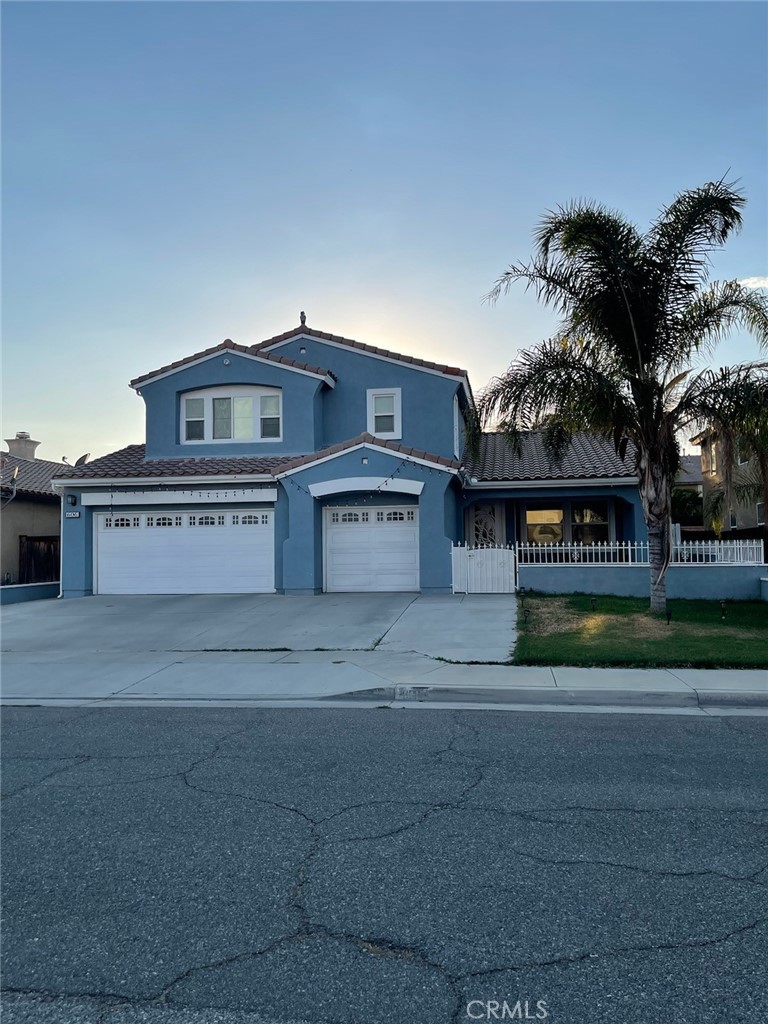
(702, 582)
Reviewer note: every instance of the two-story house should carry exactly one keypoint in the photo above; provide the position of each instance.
(311, 462)
(745, 514)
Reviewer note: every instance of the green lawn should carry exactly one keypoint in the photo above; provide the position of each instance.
(564, 630)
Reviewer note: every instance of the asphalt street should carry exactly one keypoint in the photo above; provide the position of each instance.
(337, 866)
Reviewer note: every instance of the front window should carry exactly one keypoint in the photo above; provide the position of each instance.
(760, 510)
(544, 525)
(384, 413)
(223, 414)
(589, 523)
(713, 458)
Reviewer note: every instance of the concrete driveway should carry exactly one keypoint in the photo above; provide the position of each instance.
(474, 628)
(243, 646)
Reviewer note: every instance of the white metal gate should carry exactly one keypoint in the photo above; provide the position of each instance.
(483, 570)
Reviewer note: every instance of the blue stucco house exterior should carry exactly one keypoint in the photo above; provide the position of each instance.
(311, 462)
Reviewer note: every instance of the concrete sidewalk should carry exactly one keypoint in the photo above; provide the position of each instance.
(363, 677)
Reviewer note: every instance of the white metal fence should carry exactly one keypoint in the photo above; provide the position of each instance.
(493, 570)
(696, 552)
(483, 570)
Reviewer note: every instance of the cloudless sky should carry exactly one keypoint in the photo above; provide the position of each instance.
(179, 173)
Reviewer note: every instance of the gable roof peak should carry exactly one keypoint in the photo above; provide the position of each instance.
(302, 331)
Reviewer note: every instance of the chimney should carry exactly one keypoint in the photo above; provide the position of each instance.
(22, 446)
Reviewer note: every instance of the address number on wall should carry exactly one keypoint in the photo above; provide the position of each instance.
(71, 515)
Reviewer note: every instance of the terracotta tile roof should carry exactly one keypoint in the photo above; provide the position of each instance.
(34, 476)
(588, 457)
(351, 343)
(393, 446)
(130, 462)
(228, 345)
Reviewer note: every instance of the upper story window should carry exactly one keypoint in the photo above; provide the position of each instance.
(239, 414)
(712, 457)
(385, 413)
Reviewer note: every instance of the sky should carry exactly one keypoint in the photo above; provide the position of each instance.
(179, 173)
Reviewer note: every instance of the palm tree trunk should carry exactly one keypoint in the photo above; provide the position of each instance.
(656, 495)
(657, 556)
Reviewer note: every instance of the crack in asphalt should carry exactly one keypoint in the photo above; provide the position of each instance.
(308, 929)
(604, 954)
(38, 782)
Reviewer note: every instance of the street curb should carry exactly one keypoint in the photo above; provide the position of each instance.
(731, 699)
(557, 695)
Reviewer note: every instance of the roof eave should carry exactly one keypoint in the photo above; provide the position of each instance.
(590, 481)
(61, 483)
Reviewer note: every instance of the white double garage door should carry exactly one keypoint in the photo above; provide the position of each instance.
(215, 551)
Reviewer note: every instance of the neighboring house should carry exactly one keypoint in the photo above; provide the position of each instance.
(30, 517)
(741, 515)
(687, 494)
(311, 462)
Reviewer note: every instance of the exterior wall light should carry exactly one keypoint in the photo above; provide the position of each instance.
(71, 499)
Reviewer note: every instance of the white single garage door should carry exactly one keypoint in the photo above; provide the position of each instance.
(205, 551)
(371, 549)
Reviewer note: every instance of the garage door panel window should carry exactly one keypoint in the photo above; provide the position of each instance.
(217, 520)
(396, 516)
(223, 414)
(164, 521)
(122, 522)
(255, 519)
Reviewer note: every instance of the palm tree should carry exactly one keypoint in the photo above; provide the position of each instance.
(636, 310)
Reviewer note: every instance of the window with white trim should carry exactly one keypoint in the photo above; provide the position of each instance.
(239, 414)
(385, 413)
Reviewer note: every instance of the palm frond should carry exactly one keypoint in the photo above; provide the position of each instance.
(709, 318)
(560, 387)
(695, 222)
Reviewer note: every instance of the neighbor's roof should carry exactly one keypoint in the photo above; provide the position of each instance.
(690, 470)
(34, 476)
(309, 332)
(588, 457)
(229, 346)
(130, 462)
